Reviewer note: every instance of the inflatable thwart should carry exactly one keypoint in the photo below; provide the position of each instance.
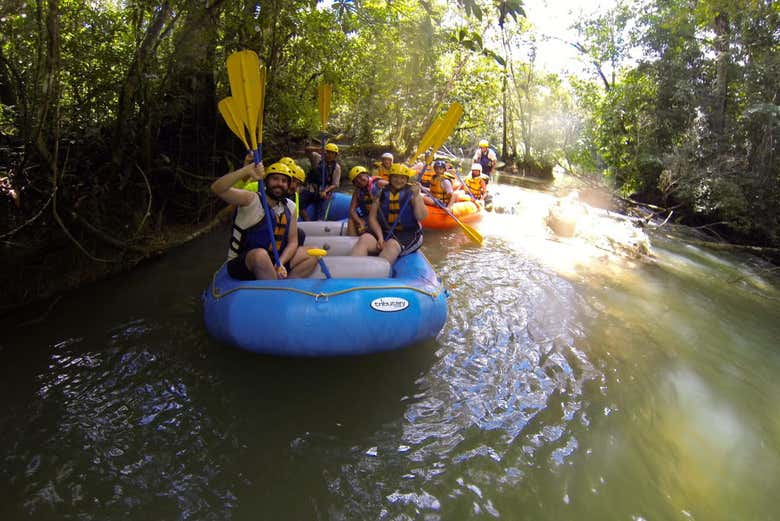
(366, 306)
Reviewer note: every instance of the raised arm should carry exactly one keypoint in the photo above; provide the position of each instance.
(223, 187)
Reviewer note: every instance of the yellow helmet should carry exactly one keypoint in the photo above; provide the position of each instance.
(332, 147)
(298, 173)
(401, 169)
(290, 162)
(398, 169)
(356, 171)
(278, 168)
(484, 143)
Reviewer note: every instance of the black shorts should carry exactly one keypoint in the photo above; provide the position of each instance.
(410, 240)
(236, 268)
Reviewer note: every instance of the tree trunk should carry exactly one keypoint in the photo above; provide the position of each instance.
(123, 126)
(723, 58)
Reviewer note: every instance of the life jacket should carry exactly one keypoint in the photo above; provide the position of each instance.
(390, 205)
(366, 197)
(484, 159)
(256, 235)
(427, 176)
(476, 185)
(383, 173)
(437, 190)
(314, 176)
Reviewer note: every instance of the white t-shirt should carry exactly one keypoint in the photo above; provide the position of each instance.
(491, 154)
(247, 216)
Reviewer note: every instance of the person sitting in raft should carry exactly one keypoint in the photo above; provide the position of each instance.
(299, 176)
(366, 188)
(250, 255)
(487, 158)
(315, 193)
(475, 182)
(439, 186)
(383, 170)
(296, 185)
(394, 218)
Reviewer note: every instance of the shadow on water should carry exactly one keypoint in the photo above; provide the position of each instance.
(637, 393)
(132, 424)
(118, 405)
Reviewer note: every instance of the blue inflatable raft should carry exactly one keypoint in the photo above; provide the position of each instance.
(334, 209)
(366, 307)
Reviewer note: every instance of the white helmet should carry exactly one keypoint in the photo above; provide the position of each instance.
(387, 155)
(476, 166)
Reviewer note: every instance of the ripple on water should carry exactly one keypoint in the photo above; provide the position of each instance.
(114, 430)
(507, 355)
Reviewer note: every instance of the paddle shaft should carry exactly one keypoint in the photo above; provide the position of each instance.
(473, 198)
(250, 88)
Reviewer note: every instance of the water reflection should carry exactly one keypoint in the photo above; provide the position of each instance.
(561, 387)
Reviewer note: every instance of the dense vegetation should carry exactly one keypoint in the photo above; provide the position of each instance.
(109, 134)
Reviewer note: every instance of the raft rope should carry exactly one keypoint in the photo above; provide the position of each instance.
(317, 296)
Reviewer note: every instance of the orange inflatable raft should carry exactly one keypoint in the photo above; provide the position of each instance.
(465, 209)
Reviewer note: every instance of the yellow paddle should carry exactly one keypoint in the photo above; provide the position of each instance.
(247, 84)
(319, 253)
(244, 76)
(230, 114)
(448, 123)
(427, 138)
(324, 93)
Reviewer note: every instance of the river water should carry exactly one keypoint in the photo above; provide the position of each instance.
(567, 383)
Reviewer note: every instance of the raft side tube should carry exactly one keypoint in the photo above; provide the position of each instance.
(329, 228)
(346, 267)
(333, 244)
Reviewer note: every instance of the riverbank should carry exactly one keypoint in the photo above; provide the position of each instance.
(33, 289)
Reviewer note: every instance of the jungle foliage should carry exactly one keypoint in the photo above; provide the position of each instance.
(109, 133)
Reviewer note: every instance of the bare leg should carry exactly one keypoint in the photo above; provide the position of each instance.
(366, 245)
(391, 250)
(302, 264)
(259, 262)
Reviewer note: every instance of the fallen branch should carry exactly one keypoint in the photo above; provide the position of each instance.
(103, 236)
(727, 246)
(149, 204)
(32, 219)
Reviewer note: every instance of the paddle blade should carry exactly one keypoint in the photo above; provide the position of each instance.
(232, 119)
(427, 138)
(449, 122)
(473, 234)
(244, 76)
(324, 93)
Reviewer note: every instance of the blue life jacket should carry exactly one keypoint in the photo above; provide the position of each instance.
(257, 235)
(390, 206)
(484, 160)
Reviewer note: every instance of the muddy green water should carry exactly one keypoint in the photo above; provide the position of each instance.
(563, 386)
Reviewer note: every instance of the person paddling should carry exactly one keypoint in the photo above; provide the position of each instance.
(476, 182)
(440, 186)
(394, 218)
(486, 157)
(250, 252)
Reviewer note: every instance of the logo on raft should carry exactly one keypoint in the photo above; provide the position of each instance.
(389, 304)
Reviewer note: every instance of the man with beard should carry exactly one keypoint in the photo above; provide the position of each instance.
(250, 255)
